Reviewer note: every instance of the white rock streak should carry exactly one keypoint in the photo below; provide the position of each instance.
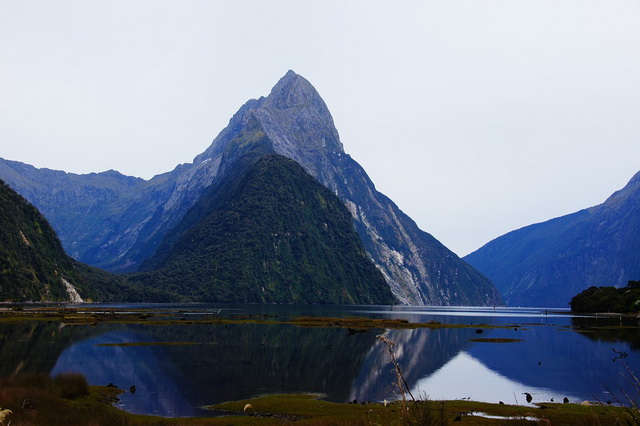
(74, 296)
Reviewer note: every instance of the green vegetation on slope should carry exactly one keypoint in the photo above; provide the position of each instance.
(32, 261)
(33, 264)
(269, 233)
(608, 299)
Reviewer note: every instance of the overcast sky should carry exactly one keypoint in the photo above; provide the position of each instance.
(476, 117)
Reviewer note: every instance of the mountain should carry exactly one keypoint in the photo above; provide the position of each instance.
(35, 267)
(131, 217)
(106, 219)
(548, 263)
(268, 232)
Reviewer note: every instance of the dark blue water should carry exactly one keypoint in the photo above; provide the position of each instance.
(558, 356)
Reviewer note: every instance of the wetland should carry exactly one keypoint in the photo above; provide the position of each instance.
(181, 360)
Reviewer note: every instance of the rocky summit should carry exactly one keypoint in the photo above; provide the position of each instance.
(548, 263)
(129, 218)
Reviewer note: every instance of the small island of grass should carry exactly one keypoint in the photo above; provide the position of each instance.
(67, 399)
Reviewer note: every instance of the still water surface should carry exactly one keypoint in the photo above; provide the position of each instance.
(558, 355)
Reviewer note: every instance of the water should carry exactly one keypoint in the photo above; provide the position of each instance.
(179, 368)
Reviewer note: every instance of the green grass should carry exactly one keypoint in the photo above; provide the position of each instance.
(66, 400)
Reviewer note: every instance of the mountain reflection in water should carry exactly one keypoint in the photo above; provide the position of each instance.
(227, 363)
(199, 364)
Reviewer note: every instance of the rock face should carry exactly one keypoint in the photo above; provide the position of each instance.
(548, 263)
(132, 217)
(267, 232)
(418, 268)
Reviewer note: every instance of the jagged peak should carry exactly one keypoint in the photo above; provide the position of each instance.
(631, 189)
(292, 91)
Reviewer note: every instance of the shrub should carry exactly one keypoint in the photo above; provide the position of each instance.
(70, 385)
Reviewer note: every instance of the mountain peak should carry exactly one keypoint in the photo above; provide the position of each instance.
(294, 91)
(630, 191)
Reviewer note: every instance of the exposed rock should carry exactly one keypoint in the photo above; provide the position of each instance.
(116, 222)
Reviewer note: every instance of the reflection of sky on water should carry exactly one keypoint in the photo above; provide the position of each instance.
(464, 377)
(241, 361)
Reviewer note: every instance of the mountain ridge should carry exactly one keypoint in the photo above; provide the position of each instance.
(550, 262)
(297, 124)
(404, 253)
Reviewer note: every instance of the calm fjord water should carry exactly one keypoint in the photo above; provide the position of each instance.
(557, 356)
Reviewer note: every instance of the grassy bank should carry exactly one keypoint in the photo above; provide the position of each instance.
(67, 400)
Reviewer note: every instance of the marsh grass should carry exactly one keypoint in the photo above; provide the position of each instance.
(38, 399)
(629, 401)
(96, 315)
(150, 344)
(421, 412)
(70, 385)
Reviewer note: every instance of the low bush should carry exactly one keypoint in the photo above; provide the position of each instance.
(70, 385)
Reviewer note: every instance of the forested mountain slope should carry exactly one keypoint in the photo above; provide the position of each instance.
(548, 263)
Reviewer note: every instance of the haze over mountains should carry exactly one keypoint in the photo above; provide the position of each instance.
(548, 263)
(117, 222)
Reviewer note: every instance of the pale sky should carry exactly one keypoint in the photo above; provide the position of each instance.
(476, 117)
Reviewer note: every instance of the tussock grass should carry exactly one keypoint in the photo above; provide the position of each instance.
(38, 399)
(70, 385)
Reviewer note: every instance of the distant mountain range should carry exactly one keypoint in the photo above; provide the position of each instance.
(118, 222)
(548, 263)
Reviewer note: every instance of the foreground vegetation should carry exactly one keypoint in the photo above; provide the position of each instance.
(67, 400)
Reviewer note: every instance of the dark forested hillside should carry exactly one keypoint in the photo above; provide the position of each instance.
(34, 266)
(268, 233)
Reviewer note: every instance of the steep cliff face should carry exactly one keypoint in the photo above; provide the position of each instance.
(292, 121)
(418, 268)
(548, 263)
